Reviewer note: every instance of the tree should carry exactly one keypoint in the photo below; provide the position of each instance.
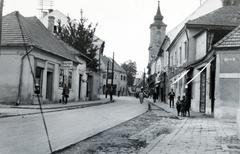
(80, 36)
(131, 68)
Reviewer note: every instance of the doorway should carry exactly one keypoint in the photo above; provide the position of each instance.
(202, 107)
(212, 85)
(89, 87)
(39, 77)
(80, 86)
(49, 86)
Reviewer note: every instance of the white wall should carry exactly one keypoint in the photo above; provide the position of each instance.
(10, 62)
(195, 92)
(227, 90)
(201, 45)
(58, 16)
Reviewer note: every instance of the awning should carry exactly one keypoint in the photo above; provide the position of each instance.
(200, 71)
(181, 76)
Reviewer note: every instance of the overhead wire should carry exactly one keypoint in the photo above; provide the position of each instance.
(34, 81)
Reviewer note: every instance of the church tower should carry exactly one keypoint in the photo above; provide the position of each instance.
(157, 34)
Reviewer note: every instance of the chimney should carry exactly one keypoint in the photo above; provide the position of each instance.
(51, 23)
(230, 2)
(50, 10)
(44, 13)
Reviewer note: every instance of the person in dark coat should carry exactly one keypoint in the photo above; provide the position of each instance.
(65, 94)
(183, 102)
(185, 107)
(155, 96)
(179, 105)
(171, 98)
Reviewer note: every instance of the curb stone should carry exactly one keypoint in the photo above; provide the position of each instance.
(53, 109)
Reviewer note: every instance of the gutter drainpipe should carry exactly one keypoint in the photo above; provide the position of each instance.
(20, 77)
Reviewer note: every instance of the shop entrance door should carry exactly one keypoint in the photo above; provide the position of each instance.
(202, 107)
(49, 86)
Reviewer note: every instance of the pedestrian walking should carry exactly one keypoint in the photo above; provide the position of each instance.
(65, 94)
(178, 105)
(185, 107)
(155, 96)
(171, 96)
(141, 96)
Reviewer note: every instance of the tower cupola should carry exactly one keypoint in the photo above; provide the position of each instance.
(158, 16)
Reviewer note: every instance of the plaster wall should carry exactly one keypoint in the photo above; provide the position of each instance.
(10, 61)
(227, 84)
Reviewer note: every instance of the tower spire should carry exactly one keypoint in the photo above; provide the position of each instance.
(158, 15)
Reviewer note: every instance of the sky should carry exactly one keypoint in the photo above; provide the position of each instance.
(122, 24)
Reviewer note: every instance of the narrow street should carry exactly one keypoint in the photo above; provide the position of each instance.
(26, 135)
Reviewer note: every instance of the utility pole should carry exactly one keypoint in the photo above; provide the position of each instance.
(111, 94)
(106, 87)
(99, 71)
(99, 67)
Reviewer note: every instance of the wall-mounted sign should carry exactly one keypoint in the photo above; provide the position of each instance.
(67, 64)
(229, 63)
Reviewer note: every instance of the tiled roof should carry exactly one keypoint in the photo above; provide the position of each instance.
(224, 16)
(117, 67)
(35, 34)
(230, 40)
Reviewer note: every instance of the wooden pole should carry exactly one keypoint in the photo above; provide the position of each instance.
(106, 87)
(144, 79)
(99, 71)
(111, 94)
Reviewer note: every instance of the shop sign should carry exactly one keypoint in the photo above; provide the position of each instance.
(67, 64)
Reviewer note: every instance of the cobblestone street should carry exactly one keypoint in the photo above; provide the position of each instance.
(201, 135)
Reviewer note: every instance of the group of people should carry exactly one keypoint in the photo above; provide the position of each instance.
(182, 105)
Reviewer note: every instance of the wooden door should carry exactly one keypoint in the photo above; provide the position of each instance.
(202, 107)
(49, 86)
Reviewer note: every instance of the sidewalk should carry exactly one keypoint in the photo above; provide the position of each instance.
(21, 110)
(197, 135)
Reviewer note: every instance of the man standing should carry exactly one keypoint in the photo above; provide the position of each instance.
(155, 96)
(171, 96)
(65, 94)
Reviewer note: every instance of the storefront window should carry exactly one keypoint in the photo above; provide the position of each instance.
(39, 77)
(65, 78)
